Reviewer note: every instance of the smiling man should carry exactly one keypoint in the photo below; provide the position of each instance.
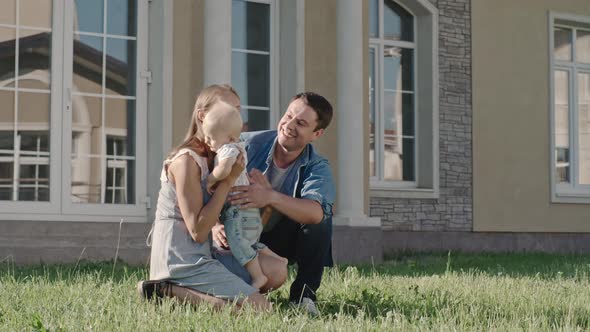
(287, 175)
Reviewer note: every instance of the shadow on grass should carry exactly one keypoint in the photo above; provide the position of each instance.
(538, 265)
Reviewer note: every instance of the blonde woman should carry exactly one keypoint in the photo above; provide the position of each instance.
(181, 265)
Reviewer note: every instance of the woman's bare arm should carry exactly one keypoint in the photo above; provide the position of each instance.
(199, 219)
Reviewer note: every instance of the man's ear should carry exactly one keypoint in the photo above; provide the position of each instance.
(317, 134)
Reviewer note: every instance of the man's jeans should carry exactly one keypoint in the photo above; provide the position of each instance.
(310, 246)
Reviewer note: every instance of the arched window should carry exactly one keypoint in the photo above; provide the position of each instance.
(402, 95)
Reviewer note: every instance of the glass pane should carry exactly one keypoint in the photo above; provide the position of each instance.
(398, 136)
(122, 17)
(250, 78)
(374, 18)
(87, 75)
(35, 13)
(250, 26)
(115, 174)
(120, 125)
(255, 119)
(120, 197)
(7, 58)
(33, 182)
(7, 117)
(33, 111)
(116, 146)
(6, 142)
(583, 46)
(86, 179)
(34, 143)
(584, 127)
(86, 126)
(407, 115)
(35, 51)
(33, 82)
(562, 142)
(398, 24)
(398, 72)
(120, 67)
(109, 197)
(372, 106)
(562, 50)
(8, 12)
(6, 183)
(89, 16)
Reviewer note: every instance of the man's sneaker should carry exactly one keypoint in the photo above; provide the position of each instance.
(308, 305)
(152, 289)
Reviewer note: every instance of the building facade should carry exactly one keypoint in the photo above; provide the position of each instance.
(459, 124)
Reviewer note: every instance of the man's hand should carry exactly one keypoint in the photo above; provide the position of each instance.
(257, 195)
(218, 235)
(256, 176)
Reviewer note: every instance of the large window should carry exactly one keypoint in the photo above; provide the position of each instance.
(252, 67)
(570, 79)
(402, 152)
(73, 84)
(25, 87)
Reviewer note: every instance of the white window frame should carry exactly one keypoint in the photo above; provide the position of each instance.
(60, 206)
(426, 164)
(274, 25)
(572, 192)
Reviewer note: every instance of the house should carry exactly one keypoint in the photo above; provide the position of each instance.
(459, 124)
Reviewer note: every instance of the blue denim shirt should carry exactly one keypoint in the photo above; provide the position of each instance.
(309, 178)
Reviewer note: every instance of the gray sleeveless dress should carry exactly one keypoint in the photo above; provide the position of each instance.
(176, 257)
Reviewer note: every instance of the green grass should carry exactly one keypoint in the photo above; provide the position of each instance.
(502, 292)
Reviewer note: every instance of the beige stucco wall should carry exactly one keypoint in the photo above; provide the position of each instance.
(187, 74)
(321, 68)
(511, 118)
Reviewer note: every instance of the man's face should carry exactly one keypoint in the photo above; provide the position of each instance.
(296, 127)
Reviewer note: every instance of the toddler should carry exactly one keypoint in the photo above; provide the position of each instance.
(222, 127)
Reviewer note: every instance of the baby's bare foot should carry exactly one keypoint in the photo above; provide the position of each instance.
(259, 282)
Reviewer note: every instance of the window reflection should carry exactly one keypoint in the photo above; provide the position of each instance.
(563, 44)
(398, 24)
(25, 87)
(584, 127)
(251, 72)
(391, 93)
(561, 95)
(583, 46)
(103, 103)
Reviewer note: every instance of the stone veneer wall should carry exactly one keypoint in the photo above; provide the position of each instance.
(453, 210)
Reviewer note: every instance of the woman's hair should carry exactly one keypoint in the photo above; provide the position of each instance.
(206, 98)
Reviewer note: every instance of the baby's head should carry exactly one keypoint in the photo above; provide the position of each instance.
(222, 125)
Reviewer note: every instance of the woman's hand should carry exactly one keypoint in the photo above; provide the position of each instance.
(236, 170)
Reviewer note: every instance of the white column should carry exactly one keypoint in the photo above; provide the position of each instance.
(217, 42)
(350, 117)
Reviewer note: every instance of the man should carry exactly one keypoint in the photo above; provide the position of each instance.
(287, 175)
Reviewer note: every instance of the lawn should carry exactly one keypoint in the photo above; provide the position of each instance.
(438, 291)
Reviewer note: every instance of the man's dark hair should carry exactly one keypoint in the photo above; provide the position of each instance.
(320, 105)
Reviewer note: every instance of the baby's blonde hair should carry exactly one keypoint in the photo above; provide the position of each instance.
(206, 98)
